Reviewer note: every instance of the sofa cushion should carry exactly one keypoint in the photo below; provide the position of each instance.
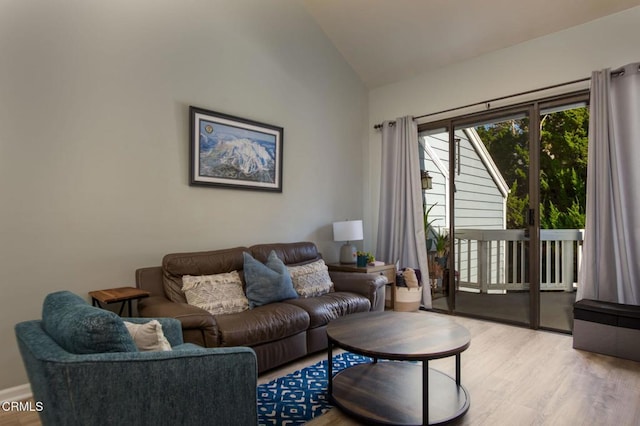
(322, 309)
(217, 294)
(80, 328)
(148, 336)
(261, 325)
(311, 279)
(290, 253)
(267, 283)
(176, 265)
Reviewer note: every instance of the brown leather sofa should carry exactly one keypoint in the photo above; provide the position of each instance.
(278, 332)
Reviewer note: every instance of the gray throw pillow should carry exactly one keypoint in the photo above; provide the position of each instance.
(267, 283)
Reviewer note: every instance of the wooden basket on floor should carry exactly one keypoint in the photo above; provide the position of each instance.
(408, 299)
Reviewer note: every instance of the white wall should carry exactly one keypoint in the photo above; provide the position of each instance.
(94, 99)
(557, 58)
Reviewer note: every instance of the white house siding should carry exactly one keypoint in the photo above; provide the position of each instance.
(436, 161)
(480, 198)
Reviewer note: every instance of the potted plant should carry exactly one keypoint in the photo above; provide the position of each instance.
(442, 257)
(428, 229)
(364, 258)
(442, 246)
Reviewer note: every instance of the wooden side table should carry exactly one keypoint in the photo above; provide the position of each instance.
(387, 270)
(121, 294)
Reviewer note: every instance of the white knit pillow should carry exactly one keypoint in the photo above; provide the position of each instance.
(148, 336)
(311, 279)
(218, 294)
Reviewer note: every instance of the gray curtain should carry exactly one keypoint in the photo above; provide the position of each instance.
(610, 270)
(401, 235)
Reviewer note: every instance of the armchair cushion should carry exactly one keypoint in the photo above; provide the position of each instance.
(171, 328)
(268, 282)
(80, 328)
(148, 336)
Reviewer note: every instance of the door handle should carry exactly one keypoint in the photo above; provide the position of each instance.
(458, 156)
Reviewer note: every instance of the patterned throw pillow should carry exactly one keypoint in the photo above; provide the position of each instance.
(148, 336)
(218, 294)
(311, 279)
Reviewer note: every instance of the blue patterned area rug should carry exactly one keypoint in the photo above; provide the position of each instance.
(302, 395)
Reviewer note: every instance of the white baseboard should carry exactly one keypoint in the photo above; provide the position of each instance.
(16, 393)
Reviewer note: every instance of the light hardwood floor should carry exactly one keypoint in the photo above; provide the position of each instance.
(515, 376)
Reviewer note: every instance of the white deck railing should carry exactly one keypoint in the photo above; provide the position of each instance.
(494, 261)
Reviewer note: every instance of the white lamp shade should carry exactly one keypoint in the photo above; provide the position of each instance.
(349, 230)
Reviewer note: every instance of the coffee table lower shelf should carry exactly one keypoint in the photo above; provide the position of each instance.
(390, 393)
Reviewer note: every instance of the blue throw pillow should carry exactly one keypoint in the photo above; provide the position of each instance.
(80, 328)
(267, 283)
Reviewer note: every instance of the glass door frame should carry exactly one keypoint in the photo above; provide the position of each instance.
(532, 110)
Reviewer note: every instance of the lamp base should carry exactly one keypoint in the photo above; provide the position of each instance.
(348, 254)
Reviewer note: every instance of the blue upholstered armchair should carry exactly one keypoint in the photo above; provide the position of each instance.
(85, 369)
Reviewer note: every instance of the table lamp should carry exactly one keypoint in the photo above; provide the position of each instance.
(348, 230)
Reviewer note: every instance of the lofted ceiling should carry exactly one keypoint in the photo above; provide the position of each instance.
(386, 41)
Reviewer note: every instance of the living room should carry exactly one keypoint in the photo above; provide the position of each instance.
(94, 131)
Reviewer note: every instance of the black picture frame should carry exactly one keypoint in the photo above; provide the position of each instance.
(233, 152)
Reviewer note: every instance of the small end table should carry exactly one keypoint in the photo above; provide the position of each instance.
(121, 294)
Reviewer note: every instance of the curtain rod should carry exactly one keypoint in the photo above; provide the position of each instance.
(615, 73)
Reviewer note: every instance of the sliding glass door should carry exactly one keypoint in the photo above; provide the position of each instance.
(488, 256)
(564, 126)
(434, 157)
(492, 235)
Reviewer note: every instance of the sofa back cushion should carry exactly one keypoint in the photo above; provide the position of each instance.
(290, 253)
(80, 328)
(176, 265)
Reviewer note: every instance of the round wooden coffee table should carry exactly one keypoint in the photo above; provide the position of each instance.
(397, 393)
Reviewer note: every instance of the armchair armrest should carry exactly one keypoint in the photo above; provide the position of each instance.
(371, 286)
(191, 317)
(187, 386)
(192, 386)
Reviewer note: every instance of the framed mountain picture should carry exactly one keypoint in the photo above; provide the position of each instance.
(233, 152)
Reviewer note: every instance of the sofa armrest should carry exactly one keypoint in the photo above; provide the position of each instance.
(371, 286)
(191, 317)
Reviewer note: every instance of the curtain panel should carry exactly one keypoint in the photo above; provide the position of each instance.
(610, 269)
(401, 235)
